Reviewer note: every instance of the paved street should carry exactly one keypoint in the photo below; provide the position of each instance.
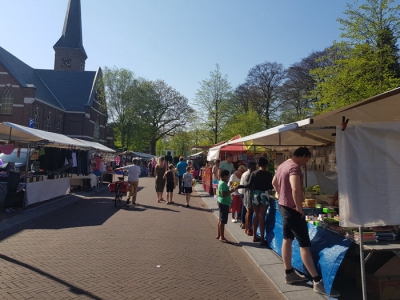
(88, 249)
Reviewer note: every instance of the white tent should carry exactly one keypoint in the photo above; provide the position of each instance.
(96, 146)
(18, 133)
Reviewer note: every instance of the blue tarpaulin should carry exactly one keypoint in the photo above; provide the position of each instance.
(328, 248)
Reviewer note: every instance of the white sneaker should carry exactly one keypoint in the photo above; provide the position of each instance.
(234, 221)
(294, 277)
(9, 211)
(319, 288)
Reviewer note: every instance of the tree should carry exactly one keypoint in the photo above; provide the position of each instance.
(167, 111)
(262, 89)
(243, 123)
(213, 99)
(119, 91)
(366, 62)
(296, 103)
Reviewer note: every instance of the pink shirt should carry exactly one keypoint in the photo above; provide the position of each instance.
(285, 170)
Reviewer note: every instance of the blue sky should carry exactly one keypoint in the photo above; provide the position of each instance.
(178, 41)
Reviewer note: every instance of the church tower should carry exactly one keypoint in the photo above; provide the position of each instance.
(69, 51)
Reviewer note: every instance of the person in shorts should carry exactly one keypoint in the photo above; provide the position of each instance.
(187, 184)
(169, 176)
(224, 201)
(288, 183)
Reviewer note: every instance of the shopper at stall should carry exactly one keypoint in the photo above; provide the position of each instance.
(226, 164)
(181, 166)
(288, 183)
(236, 205)
(133, 179)
(153, 163)
(159, 171)
(248, 206)
(169, 176)
(224, 201)
(150, 168)
(260, 183)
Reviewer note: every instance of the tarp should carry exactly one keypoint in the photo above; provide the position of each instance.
(368, 161)
(96, 146)
(18, 133)
(328, 249)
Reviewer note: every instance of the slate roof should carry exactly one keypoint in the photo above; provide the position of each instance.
(72, 31)
(66, 90)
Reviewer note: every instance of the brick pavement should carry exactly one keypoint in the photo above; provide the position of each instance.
(91, 250)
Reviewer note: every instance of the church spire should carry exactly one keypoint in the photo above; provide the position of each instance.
(69, 51)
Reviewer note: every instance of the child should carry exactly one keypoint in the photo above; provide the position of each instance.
(224, 201)
(187, 184)
(170, 177)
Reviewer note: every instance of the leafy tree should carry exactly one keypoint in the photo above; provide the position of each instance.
(119, 86)
(296, 104)
(244, 123)
(262, 90)
(167, 111)
(366, 62)
(213, 99)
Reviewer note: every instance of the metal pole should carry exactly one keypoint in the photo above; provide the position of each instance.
(362, 263)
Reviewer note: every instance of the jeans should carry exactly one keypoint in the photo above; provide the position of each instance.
(180, 184)
(243, 213)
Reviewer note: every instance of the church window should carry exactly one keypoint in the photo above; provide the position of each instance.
(36, 119)
(7, 102)
(96, 133)
(48, 122)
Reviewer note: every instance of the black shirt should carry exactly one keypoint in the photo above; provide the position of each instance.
(260, 180)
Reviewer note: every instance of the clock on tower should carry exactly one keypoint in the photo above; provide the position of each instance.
(66, 62)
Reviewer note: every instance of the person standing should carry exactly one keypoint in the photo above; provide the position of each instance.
(169, 176)
(288, 184)
(260, 183)
(226, 164)
(159, 171)
(150, 168)
(133, 179)
(247, 204)
(224, 201)
(181, 166)
(236, 198)
(215, 170)
(187, 184)
(153, 163)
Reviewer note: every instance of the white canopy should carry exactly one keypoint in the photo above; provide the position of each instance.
(195, 154)
(18, 133)
(96, 146)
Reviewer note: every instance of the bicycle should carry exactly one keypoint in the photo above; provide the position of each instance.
(118, 193)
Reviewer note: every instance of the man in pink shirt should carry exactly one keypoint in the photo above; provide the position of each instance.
(288, 183)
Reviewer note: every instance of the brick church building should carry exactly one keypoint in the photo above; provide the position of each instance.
(65, 100)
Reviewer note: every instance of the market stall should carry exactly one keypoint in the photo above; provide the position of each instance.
(367, 164)
(40, 186)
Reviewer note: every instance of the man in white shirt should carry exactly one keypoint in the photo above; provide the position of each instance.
(133, 179)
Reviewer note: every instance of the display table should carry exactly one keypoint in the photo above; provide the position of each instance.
(78, 180)
(47, 189)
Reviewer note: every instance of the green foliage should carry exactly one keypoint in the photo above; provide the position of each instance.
(243, 123)
(366, 64)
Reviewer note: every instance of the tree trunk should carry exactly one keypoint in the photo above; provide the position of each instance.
(153, 147)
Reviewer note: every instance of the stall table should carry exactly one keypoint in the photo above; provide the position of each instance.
(47, 189)
(79, 180)
(206, 179)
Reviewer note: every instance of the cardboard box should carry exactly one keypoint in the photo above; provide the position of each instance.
(383, 288)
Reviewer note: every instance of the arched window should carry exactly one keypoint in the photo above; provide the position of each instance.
(59, 125)
(96, 133)
(36, 119)
(48, 122)
(7, 102)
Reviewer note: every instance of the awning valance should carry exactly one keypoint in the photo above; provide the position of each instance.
(18, 133)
